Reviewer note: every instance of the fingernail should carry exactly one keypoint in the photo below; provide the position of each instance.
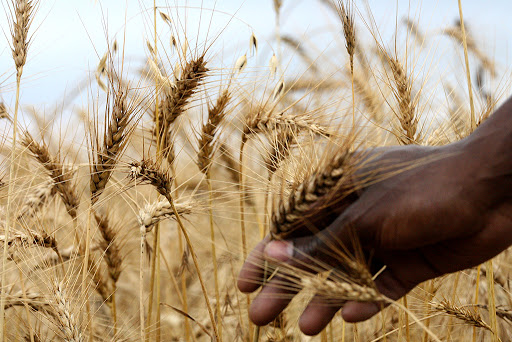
(279, 250)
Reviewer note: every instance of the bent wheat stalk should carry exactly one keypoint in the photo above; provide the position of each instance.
(149, 173)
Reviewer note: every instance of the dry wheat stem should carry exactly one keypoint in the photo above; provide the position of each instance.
(491, 297)
(468, 72)
(149, 173)
(23, 11)
(205, 155)
(142, 266)
(196, 265)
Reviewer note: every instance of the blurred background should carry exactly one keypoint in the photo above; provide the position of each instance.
(69, 37)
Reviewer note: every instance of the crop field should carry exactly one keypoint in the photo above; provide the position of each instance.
(132, 199)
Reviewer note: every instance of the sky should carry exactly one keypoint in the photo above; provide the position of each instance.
(70, 36)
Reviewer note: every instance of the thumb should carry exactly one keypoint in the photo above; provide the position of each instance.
(323, 250)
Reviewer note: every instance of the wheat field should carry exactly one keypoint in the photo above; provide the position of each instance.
(129, 208)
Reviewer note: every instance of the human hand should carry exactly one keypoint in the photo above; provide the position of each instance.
(442, 213)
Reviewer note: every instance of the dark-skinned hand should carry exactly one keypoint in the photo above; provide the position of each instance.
(447, 210)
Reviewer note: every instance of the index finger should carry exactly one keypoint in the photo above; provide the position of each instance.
(251, 275)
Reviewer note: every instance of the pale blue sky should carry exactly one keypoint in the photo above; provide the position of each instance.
(71, 34)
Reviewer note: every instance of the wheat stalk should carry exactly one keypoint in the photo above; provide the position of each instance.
(22, 16)
(148, 172)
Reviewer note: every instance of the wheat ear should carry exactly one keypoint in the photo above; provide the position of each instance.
(112, 255)
(291, 210)
(346, 15)
(67, 321)
(116, 137)
(406, 106)
(37, 198)
(60, 176)
(471, 317)
(176, 100)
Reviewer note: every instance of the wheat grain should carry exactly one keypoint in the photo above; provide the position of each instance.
(471, 317)
(216, 114)
(240, 64)
(61, 179)
(37, 198)
(110, 246)
(113, 145)
(67, 321)
(292, 210)
(347, 18)
(341, 291)
(406, 105)
(154, 213)
(23, 12)
(148, 172)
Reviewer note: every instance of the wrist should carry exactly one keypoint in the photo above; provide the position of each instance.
(486, 155)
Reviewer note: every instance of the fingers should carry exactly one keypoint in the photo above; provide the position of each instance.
(317, 315)
(272, 300)
(251, 275)
(354, 312)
